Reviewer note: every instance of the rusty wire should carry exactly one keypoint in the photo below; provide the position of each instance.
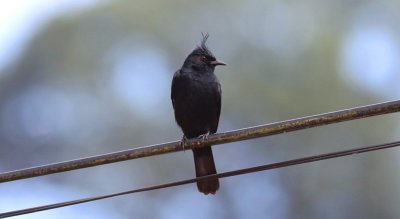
(220, 138)
(219, 175)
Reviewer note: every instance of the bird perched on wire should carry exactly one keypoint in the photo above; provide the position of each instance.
(196, 99)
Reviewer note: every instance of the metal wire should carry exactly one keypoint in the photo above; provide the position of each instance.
(220, 175)
(221, 138)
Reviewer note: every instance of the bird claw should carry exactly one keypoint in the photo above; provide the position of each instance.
(183, 142)
(204, 136)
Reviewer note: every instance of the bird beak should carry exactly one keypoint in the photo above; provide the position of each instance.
(217, 62)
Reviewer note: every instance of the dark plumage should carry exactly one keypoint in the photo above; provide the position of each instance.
(196, 98)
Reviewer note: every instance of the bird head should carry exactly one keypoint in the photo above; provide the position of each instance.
(201, 58)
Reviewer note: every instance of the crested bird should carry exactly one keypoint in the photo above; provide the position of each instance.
(196, 99)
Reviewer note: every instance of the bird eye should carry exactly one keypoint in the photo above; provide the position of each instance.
(203, 58)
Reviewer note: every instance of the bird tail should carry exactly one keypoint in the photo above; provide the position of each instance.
(204, 164)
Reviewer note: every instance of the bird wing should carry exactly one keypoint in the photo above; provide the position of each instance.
(179, 84)
(174, 87)
(218, 104)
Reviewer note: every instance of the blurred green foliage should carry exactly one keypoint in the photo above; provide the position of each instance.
(99, 82)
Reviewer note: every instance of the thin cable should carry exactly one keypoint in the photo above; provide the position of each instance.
(220, 175)
(221, 138)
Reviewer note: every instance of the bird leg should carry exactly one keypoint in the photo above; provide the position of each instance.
(183, 142)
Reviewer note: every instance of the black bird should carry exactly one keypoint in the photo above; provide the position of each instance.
(196, 98)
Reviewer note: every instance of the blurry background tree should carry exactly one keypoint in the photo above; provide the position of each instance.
(80, 78)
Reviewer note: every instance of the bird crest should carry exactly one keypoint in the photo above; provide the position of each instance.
(202, 49)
